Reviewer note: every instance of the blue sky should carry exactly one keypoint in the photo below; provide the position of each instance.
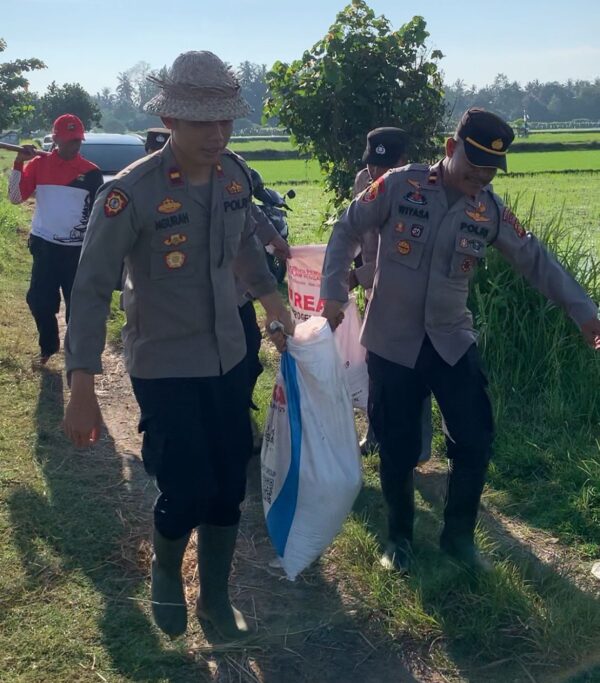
(89, 41)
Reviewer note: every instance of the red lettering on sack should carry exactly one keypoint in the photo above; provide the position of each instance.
(305, 302)
(279, 395)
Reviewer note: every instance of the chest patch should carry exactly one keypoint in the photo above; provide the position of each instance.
(168, 205)
(175, 259)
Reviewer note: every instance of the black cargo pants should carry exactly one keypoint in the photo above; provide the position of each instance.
(197, 443)
(253, 341)
(54, 269)
(396, 396)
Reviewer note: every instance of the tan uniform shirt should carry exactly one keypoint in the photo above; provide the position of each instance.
(181, 262)
(265, 232)
(370, 240)
(428, 254)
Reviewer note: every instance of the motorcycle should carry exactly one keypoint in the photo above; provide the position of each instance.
(275, 209)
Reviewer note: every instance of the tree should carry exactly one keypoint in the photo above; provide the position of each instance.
(359, 76)
(253, 79)
(30, 114)
(125, 92)
(71, 98)
(13, 87)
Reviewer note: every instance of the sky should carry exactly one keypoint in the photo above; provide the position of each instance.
(90, 42)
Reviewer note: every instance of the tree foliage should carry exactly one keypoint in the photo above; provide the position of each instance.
(361, 75)
(542, 102)
(71, 98)
(13, 87)
(122, 110)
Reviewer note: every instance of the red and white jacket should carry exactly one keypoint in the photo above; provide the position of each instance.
(64, 195)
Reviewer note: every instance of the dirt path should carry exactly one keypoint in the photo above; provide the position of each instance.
(306, 630)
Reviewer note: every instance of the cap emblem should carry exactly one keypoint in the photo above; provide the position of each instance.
(380, 149)
(497, 144)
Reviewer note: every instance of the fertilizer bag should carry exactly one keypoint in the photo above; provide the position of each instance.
(304, 285)
(310, 460)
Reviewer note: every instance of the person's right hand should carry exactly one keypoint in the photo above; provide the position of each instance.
(30, 152)
(333, 312)
(83, 419)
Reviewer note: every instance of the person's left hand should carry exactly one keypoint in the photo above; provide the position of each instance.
(591, 333)
(281, 248)
(277, 311)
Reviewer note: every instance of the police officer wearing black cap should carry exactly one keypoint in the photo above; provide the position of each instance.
(435, 225)
(156, 138)
(386, 148)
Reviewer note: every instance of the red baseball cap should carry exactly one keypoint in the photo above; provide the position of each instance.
(68, 127)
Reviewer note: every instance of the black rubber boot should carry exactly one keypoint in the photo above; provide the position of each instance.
(401, 513)
(168, 599)
(463, 493)
(216, 545)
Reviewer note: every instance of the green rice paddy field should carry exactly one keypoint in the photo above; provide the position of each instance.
(562, 136)
(576, 195)
(299, 170)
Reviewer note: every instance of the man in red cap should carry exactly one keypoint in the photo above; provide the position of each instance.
(65, 185)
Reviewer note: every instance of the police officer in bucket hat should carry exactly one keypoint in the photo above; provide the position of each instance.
(181, 221)
(435, 225)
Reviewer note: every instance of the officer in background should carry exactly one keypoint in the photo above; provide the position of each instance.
(386, 148)
(435, 225)
(156, 138)
(180, 219)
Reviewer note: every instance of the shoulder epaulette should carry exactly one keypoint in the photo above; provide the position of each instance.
(498, 205)
(241, 162)
(137, 170)
(415, 167)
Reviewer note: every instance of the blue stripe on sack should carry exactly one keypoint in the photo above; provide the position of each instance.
(281, 515)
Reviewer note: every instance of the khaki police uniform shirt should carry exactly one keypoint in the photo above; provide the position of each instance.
(181, 262)
(370, 240)
(265, 232)
(428, 254)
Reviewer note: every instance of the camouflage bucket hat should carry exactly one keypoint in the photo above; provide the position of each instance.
(198, 87)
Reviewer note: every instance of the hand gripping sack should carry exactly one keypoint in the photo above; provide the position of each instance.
(310, 460)
(304, 285)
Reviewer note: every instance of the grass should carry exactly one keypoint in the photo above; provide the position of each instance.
(540, 162)
(562, 136)
(545, 382)
(68, 593)
(6, 160)
(288, 171)
(257, 145)
(299, 171)
(575, 196)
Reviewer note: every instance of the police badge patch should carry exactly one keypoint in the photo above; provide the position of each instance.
(115, 202)
(376, 188)
(175, 259)
(509, 217)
